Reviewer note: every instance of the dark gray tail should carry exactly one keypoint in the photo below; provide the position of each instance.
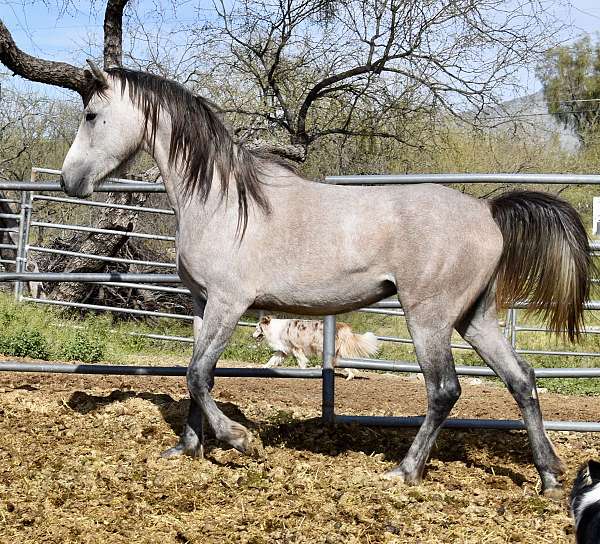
(546, 259)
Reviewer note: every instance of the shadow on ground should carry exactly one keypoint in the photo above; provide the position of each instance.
(499, 448)
(174, 412)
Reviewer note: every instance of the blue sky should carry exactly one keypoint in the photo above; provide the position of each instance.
(42, 30)
(45, 30)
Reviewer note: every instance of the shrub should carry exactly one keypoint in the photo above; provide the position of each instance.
(25, 342)
(84, 346)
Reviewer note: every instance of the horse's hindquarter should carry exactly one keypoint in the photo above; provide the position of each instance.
(326, 247)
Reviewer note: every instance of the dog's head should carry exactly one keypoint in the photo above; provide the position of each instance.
(261, 326)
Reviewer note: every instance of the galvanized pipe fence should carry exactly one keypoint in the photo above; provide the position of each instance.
(155, 282)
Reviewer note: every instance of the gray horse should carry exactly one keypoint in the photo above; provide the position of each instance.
(250, 231)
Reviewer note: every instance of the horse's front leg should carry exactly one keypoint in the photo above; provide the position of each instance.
(191, 441)
(220, 319)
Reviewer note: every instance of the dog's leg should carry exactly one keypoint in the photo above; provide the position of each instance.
(276, 359)
(349, 372)
(300, 357)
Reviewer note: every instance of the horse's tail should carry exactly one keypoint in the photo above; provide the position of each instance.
(546, 259)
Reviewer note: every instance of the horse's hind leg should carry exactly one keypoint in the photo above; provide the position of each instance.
(432, 345)
(481, 330)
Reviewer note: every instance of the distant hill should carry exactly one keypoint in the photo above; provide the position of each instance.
(527, 117)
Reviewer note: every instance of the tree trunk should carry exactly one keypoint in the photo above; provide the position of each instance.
(95, 244)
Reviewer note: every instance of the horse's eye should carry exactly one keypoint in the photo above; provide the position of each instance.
(90, 116)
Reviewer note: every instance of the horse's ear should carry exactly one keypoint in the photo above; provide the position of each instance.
(98, 75)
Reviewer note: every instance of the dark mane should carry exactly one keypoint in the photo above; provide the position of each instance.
(198, 138)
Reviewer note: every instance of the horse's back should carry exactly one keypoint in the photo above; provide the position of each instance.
(383, 220)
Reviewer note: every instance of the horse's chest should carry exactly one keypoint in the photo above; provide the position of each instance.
(193, 272)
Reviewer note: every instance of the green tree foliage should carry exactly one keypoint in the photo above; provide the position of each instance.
(570, 76)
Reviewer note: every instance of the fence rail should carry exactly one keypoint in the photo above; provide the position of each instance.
(25, 221)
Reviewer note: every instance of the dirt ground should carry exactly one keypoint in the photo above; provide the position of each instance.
(79, 463)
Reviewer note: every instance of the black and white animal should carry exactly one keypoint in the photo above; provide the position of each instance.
(303, 338)
(585, 503)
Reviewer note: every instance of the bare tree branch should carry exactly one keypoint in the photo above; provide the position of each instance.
(60, 74)
(305, 75)
(296, 153)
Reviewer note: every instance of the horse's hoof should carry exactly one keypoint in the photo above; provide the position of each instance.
(399, 475)
(180, 449)
(245, 442)
(555, 493)
(251, 446)
(176, 451)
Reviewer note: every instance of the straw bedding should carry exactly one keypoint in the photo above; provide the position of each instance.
(79, 463)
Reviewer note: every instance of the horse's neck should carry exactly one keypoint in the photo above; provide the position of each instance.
(173, 178)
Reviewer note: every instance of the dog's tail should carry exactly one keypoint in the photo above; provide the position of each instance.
(355, 345)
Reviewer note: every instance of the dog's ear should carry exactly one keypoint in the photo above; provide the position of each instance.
(265, 320)
(594, 470)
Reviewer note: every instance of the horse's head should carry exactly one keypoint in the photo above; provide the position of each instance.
(110, 133)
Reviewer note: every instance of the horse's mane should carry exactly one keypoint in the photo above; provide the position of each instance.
(199, 139)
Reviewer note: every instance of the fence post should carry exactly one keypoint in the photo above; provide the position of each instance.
(328, 409)
(507, 323)
(20, 244)
(513, 327)
(24, 227)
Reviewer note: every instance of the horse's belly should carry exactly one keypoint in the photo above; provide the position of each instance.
(325, 299)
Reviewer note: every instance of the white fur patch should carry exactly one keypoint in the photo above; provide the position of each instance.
(274, 334)
(589, 497)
